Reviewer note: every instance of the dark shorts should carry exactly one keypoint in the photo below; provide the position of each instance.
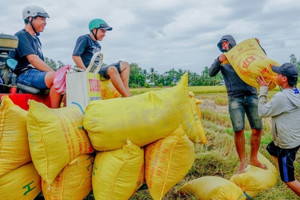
(103, 70)
(286, 158)
(34, 78)
(238, 107)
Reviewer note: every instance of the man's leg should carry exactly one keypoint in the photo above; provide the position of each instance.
(55, 98)
(125, 72)
(240, 143)
(295, 186)
(116, 80)
(255, 143)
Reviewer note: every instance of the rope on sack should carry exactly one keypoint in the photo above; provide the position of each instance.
(246, 195)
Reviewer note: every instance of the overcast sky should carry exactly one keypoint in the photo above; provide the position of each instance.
(163, 34)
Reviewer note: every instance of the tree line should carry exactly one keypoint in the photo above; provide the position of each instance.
(140, 77)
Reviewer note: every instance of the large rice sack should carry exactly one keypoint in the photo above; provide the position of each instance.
(21, 183)
(142, 118)
(14, 148)
(56, 137)
(249, 61)
(167, 161)
(254, 179)
(74, 182)
(119, 173)
(212, 187)
(108, 90)
(195, 132)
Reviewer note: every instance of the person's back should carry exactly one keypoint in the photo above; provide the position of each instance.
(284, 109)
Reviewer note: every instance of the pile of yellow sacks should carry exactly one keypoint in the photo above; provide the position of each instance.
(113, 146)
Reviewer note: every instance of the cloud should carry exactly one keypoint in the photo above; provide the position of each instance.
(163, 34)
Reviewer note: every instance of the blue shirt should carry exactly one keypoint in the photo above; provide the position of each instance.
(27, 45)
(86, 47)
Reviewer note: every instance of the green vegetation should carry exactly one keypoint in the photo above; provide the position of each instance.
(140, 77)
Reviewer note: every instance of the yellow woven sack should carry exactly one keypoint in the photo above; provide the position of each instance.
(14, 148)
(167, 161)
(212, 188)
(56, 137)
(195, 132)
(254, 179)
(142, 118)
(249, 61)
(21, 183)
(108, 90)
(117, 173)
(74, 182)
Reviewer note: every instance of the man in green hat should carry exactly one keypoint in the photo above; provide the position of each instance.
(87, 45)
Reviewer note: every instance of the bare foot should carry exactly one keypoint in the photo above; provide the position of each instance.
(258, 164)
(241, 168)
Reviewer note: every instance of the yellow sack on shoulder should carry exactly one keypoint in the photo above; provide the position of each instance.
(249, 61)
(21, 183)
(119, 173)
(142, 118)
(56, 137)
(167, 161)
(74, 182)
(14, 147)
(254, 179)
(212, 188)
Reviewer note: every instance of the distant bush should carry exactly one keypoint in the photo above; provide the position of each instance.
(133, 85)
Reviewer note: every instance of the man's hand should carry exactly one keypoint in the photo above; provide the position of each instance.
(222, 58)
(261, 81)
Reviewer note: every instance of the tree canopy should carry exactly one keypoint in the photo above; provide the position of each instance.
(140, 77)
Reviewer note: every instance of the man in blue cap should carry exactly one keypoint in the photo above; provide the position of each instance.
(284, 109)
(87, 45)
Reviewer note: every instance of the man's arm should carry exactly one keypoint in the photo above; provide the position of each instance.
(216, 66)
(79, 63)
(38, 63)
(272, 108)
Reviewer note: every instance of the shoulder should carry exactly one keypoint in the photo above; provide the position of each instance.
(21, 34)
(279, 97)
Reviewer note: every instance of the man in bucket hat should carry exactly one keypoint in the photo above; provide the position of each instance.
(284, 109)
(242, 101)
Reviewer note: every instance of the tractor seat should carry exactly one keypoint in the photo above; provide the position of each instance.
(28, 89)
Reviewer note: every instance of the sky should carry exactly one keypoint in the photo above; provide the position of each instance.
(163, 34)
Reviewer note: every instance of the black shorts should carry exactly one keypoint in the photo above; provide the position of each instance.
(286, 158)
(103, 70)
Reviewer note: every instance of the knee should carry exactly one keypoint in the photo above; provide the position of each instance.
(49, 78)
(112, 70)
(256, 132)
(124, 65)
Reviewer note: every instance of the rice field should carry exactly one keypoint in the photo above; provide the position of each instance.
(218, 157)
